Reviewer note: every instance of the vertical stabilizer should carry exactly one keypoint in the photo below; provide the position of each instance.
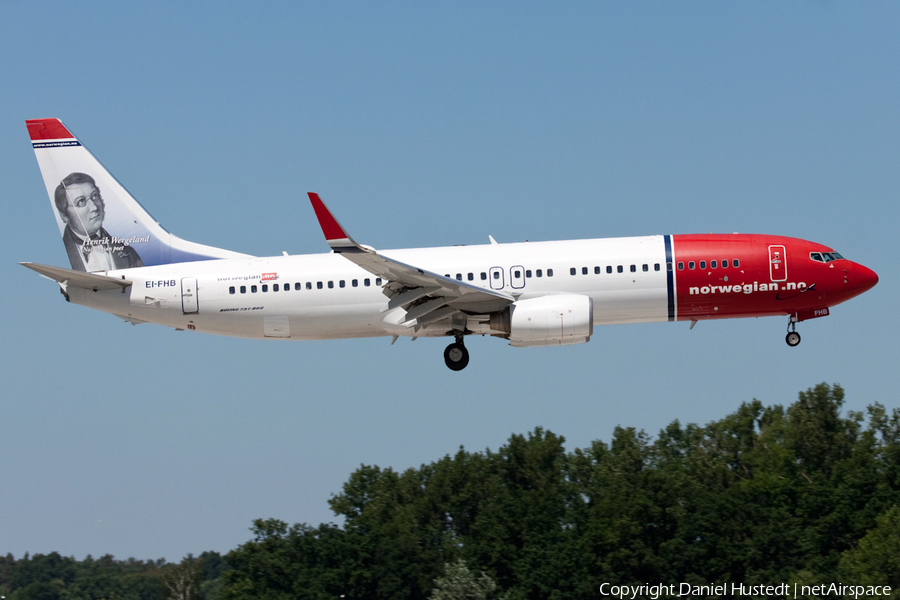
(103, 227)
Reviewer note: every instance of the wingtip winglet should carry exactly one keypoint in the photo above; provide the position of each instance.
(334, 233)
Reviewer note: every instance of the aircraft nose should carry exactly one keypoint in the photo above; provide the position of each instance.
(862, 278)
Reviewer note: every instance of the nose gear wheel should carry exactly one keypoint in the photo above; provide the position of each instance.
(792, 338)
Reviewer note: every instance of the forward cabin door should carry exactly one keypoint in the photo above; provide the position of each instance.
(189, 295)
(777, 263)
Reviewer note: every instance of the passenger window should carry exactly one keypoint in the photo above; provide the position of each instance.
(243, 289)
(355, 283)
(596, 270)
(725, 264)
(378, 281)
(549, 272)
(253, 289)
(619, 269)
(572, 271)
(656, 267)
(528, 273)
(287, 287)
(309, 285)
(471, 276)
(319, 285)
(231, 290)
(633, 268)
(483, 276)
(297, 286)
(459, 276)
(584, 270)
(736, 263)
(702, 264)
(517, 274)
(712, 264)
(265, 287)
(341, 283)
(609, 269)
(646, 268)
(539, 273)
(680, 266)
(330, 285)
(691, 265)
(496, 274)
(274, 287)
(366, 282)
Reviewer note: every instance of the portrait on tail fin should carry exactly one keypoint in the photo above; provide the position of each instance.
(104, 228)
(89, 246)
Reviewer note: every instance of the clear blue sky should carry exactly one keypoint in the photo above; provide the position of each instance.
(420, 125)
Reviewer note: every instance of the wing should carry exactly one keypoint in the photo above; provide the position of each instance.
(427, 297)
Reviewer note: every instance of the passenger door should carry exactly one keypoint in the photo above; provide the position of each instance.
(777, 263)
(189, 302)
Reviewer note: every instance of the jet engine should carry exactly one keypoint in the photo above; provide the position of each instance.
(552, 320)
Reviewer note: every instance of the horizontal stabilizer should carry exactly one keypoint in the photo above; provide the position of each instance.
(90, 281)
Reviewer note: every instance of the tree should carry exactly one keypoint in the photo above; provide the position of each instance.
(459, 583)
(876, 559)
(182, 580)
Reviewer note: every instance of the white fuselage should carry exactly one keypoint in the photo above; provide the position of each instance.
(325, 296)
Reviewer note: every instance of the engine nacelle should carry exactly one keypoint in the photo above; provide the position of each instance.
(553, 320)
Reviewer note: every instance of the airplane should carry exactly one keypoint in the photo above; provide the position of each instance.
(531, 294)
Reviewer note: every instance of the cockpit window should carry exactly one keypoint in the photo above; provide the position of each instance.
(825, 257)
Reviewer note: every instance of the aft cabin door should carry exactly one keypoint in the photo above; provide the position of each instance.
(777, 263)
(189, 295)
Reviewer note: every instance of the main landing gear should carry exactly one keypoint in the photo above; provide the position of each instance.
(792, 338)
(456, 356)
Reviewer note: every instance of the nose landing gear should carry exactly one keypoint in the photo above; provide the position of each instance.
(456, 356)
(792, 338)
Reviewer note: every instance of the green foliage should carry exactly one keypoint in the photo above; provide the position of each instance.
(876, 559)
(51, 577)
(765, 494)
(459, 583)
(182, 581)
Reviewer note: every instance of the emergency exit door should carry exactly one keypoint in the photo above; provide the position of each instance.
(189, 295)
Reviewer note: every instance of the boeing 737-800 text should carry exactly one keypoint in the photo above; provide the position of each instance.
(531, 294)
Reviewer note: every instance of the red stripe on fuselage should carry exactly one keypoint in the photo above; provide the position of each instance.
(758, 286)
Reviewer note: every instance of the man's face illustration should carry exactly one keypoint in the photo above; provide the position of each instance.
(84, 211)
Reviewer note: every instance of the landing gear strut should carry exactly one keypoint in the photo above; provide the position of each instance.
(792, 338)
(456, 356)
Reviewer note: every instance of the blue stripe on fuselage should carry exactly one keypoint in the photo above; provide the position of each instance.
(670, 277)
